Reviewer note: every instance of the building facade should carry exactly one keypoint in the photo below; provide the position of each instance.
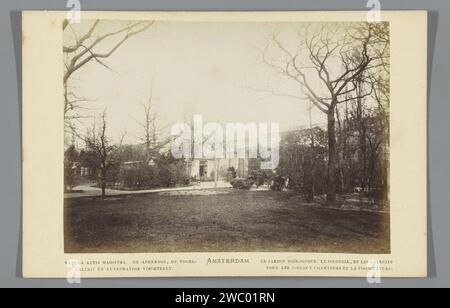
(209, 169)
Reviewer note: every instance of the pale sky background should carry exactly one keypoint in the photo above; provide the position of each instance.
(195, 67)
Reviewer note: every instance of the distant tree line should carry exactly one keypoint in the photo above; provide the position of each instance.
(362, 150)
(124, 168)
(343, 70)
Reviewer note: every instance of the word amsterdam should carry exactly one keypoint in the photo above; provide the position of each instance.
(242, 141)
(225, 298)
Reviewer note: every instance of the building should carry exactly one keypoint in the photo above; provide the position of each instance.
(207, 169)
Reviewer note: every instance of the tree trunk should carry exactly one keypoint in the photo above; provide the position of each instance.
(311, 190)
(308, 173)
(331, 176)
(103, 183)
(216, 176)
(103, 190)
(363, 149)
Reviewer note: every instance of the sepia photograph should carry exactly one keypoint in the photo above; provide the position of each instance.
(226, 137)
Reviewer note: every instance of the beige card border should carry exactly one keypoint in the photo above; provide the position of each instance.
(43, 249)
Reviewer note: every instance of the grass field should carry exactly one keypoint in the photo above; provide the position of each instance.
(238, 221)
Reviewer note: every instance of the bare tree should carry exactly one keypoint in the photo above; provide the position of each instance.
(344, 133)
(151, 136)
(123, 136)
(310, 171)
(326, 64)
(149, 129)
(101, 152)
(89, 47)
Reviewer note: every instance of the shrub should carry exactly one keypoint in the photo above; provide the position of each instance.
(163, 174)
(261, 177)
(243, 184)
(71, 177)
(279, 183)
(137, 177)
(231, 174)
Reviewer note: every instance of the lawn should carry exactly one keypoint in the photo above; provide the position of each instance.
(236, 221)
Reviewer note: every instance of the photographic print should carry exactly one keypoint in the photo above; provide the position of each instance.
(197, 143)
(226, 137)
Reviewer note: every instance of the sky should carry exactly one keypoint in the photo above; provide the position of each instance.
(211, 69)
